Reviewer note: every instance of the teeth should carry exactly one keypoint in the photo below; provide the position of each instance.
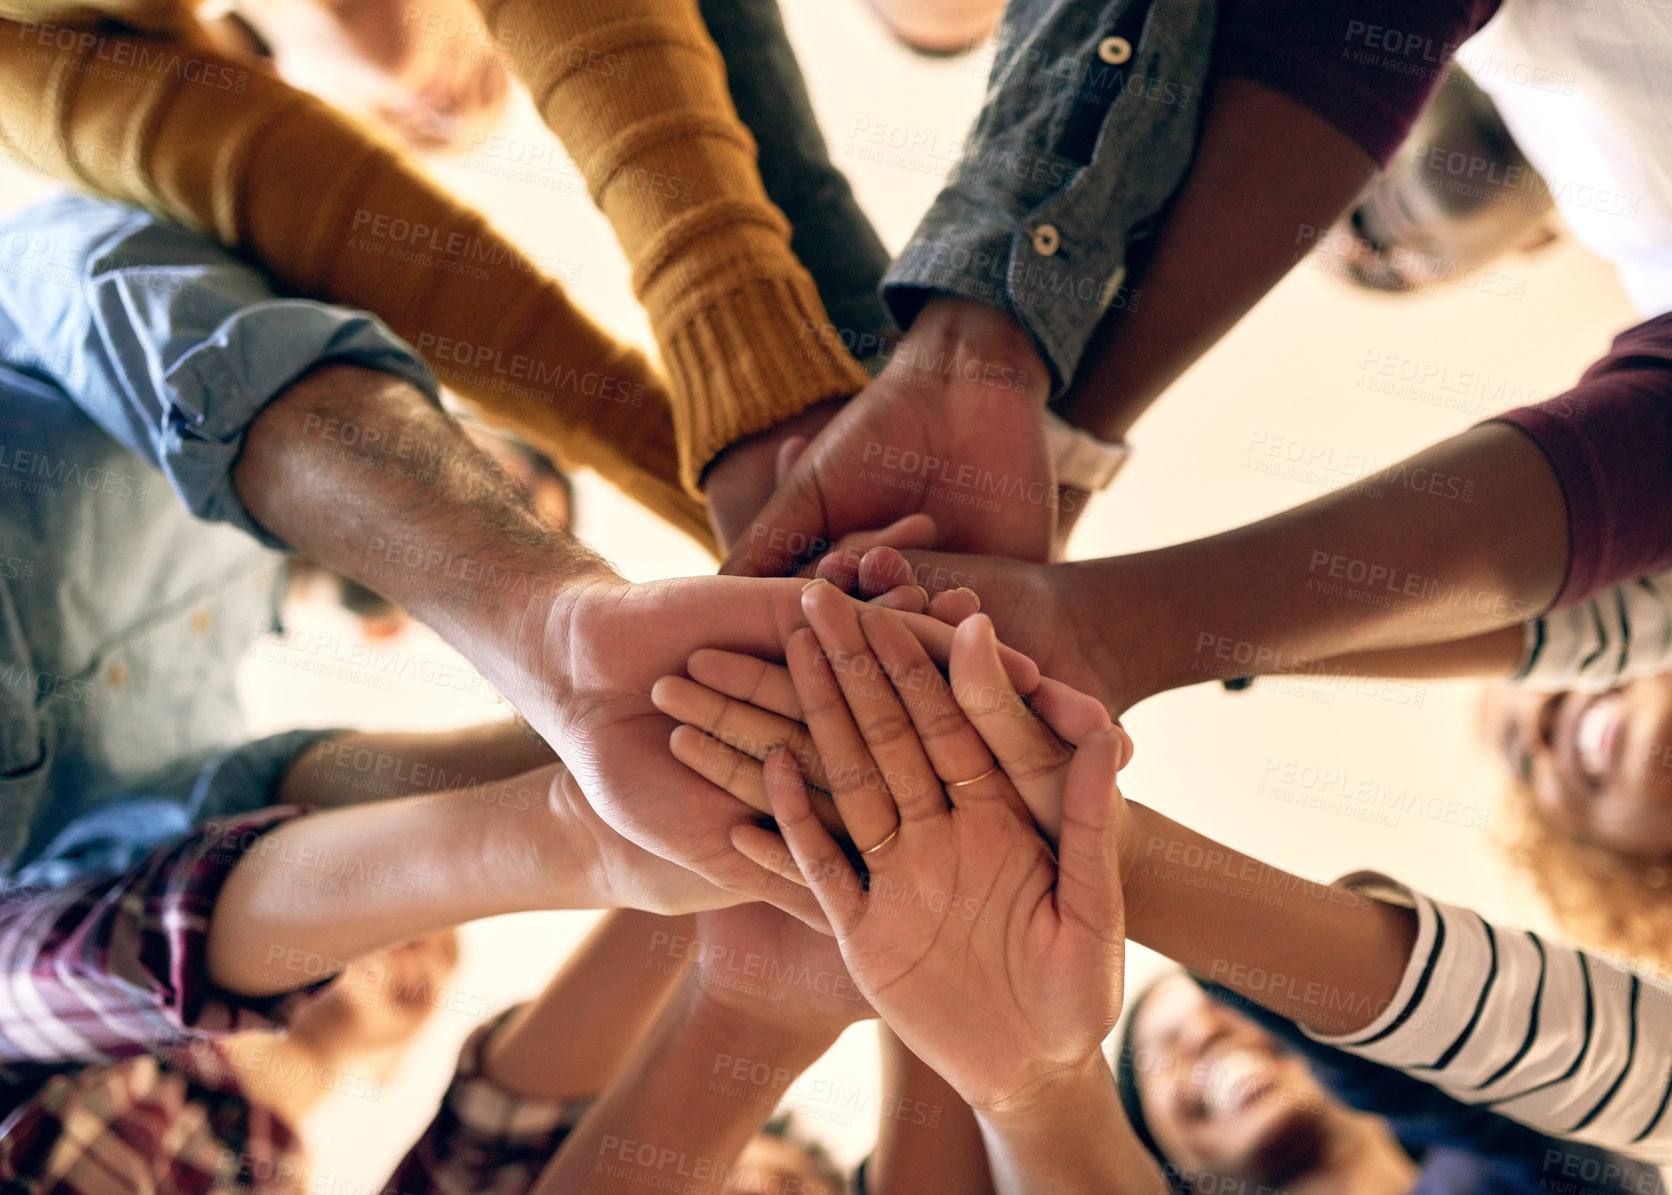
(1593, 738)
(1229, 1079)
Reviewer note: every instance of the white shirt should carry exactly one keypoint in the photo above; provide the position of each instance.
(1566, 1042)
(1586, 89)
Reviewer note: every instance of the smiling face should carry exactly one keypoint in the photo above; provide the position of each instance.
(1221, 1095)
(1598, 766)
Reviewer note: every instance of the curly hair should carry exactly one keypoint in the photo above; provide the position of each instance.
(1600, 898)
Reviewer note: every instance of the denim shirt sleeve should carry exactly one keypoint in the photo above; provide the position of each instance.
(1086, 132)
(167, 342)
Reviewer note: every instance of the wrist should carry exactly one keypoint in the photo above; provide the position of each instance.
(1142, 623)
(961, 340)
(1051, 1100)
(791, 1044)
(1141, 833)
(546, 617)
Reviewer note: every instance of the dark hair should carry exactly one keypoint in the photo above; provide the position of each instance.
(1126, 1083)
(782, 1127)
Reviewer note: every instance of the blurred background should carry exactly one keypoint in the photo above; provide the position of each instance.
(1310, 776)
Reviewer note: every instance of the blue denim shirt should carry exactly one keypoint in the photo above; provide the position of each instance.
(1087, 130)
(133, 357)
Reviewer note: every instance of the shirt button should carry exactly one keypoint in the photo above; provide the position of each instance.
(117, 674)
(1046, 240)
(201, 622)
(1114, 50)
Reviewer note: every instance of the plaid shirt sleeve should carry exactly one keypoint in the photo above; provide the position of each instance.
(152, 1123)
(485, 1140)
(114, 966)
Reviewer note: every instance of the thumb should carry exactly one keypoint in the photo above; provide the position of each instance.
(788, 453)
(790, 528)
(1088, 853)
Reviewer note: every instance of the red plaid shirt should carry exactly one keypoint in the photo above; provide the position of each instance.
(111, 1079)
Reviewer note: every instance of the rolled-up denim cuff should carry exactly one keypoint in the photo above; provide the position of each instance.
(1088, 132)
(216, 391)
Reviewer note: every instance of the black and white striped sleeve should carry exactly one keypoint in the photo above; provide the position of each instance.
(1619, 635)
(1565, 1042)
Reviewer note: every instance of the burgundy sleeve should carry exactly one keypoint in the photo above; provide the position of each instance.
(1368, 67)
(1609, 440)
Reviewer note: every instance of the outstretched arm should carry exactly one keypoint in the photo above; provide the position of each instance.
(724, 1051)
(317, 891)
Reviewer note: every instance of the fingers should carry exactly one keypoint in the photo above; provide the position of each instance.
(862, 796)
(1072, 715)
(765, 849)
(788, 453)
(1033, 757)
(1088, 854)
(817, 857)
(954, 605)
(909, 599)
(750, 730)
(795, 515)
(739, 774)
(840, 565)
(754, 681)
(873, 705)
(955, 750)
(883, 569)
(937, 638)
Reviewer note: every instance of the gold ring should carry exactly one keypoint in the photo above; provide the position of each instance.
(892, 835)
(974, 779)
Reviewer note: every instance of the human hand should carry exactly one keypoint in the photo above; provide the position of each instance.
(767, 966)
(1093, 625)
(588, 661)
(963, 896)
(619, 873)
(952, 428)
(735, 709)
(740, 481)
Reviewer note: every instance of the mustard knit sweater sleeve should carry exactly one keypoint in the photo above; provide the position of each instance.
(636, 91)
(331, 212)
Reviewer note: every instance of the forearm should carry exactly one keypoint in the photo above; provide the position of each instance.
(1328, 958)
(1266, 170)
(336, 214)
(453, 542)
(739, 324)
(933, 1140)
(1465, 538)
(320, 891)
(666, 1118)
(1075, 1140)
(572, 1040)
(1492, 654)
(348, 769)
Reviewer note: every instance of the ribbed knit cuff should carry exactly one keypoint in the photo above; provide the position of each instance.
(746, 360)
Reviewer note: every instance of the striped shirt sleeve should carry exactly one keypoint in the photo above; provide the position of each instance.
(1565, 1042)
(1622, 634)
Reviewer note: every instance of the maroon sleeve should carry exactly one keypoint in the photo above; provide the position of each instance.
(1368, 67)
(1609, 439)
